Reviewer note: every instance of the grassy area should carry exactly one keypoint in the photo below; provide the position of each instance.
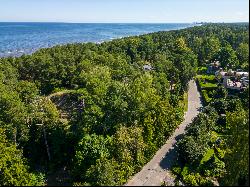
(207, 78)
(207, 84)
(201, 70)
(185, 101)
(207, 156)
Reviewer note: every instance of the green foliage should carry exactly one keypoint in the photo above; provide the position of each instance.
(12, 114)
(81, 184)
(130, 146)
(201, 70)
(220, 152)
(220, 105)
(244, 97)
(212, 46)
(218, 157)
(176, 170)
(205, 96)
(243, 55)
(220, 92)
(97, 80)
(13, 167)
(207, 156)
(108, 116)
(227, 57)
(207, 84)
(104, 172)
(27, 91)
(89, 149)
(237, 155)
(191, 178)
(194, 150)
(207, 78)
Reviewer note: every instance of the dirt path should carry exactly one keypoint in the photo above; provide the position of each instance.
(58, 93)
(158, 169)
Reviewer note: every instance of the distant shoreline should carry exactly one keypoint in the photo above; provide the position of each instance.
(199, 22)
(99, 22)
(53, 31)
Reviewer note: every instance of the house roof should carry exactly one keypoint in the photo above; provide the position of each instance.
(147, 67)
(242, 73)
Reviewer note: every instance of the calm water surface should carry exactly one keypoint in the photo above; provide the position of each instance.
(24, 38)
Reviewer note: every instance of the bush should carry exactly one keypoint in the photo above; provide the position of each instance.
(14, 170)
(190, 180)
(207, 78)
(205, 182)
(202, 70)
(190, 177)
(220, 153)
(81, 184)
(207, 81)
(214, 167)
(205, 96)
(185, 171)
(176, 170)
(220, 92)
(207, 85)
(207, 156)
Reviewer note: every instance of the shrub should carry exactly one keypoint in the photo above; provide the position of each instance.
(190, 179)
(220, 153)
(205, 96)
(81, 184)
(176, 170)
(220, 92)
(214, 167)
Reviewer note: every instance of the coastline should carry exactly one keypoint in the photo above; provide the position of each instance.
(19, 51)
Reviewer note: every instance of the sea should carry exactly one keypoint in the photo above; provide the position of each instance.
(19, 38)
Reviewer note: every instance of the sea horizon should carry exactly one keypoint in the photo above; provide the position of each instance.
(105, 22)
(18, 38)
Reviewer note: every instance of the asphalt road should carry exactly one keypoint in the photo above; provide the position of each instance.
(158, 169)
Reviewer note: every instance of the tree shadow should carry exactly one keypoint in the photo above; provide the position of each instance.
(61, 177)
(200, 109)
(171, 156)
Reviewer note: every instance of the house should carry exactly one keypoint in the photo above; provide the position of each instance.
(232, 79)
(245, 81)
(234, 85)
(222, 76)
(242, 74)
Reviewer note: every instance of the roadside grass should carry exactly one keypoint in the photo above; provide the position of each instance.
(185, 101)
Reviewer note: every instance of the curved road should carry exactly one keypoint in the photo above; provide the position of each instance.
(158, 169)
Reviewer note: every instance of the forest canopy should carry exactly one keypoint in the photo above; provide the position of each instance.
(103, 110)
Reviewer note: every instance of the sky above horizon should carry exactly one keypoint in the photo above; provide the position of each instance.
(124, 11)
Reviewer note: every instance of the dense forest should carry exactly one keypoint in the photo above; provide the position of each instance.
(96, 113)
(215, 147)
